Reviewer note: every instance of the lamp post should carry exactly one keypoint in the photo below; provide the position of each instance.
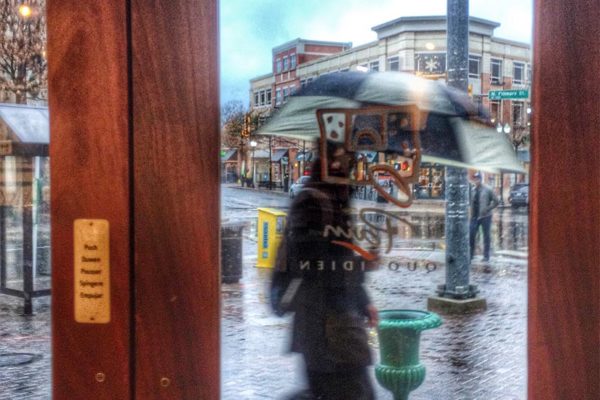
(253, 145)
(457, 295)
(506, 129)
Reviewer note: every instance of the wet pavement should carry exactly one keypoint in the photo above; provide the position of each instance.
(24, 350)
(475, 356)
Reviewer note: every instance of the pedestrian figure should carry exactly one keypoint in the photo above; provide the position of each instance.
(331, 306)
(286, 182)
(483, 201)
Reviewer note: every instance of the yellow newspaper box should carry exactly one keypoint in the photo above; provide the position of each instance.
(270, 232)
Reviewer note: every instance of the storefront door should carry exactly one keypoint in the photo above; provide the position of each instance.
(143, 155)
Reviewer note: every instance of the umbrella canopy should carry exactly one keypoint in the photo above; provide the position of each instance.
(455, 131)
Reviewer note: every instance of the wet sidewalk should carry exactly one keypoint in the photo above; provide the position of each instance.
(418, 206)
(470, 357)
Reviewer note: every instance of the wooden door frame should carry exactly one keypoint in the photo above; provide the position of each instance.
(564, 228)
(134, 106)
(133, 89)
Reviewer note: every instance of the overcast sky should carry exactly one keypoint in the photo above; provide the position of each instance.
(249, 29)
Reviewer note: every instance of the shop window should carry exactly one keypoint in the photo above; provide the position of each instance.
(496, 71)
(495, 111)
(474, 67)
(518, 109)
(374, 66)
(518, 73)
(268, 95)
(393, 64)
(286, 94)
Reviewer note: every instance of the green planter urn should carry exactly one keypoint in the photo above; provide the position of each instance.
(400, 370)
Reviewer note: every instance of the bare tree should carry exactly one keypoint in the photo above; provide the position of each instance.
(22, 48)
(232, 123)
(519, 136)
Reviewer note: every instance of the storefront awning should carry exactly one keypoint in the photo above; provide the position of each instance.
(369, 156)
(229, 155)
(304, 156)
(28, 130)
(260, 154)
(278, 154)
(524, 156)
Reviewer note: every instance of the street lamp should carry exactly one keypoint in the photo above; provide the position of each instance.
(253, 145)
(506, 129)
(25, 11)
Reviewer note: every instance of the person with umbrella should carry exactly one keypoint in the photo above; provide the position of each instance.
(331, 306)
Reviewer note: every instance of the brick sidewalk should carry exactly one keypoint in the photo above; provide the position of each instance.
(470, 357)
(24, 350)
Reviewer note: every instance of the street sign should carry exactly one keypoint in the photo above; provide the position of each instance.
(508, 94)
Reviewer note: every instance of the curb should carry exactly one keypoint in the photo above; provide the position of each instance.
(275, 192)
(434, 206)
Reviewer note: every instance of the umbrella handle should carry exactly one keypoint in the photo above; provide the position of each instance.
(400, 182)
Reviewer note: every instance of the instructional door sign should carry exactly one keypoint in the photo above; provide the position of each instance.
(92, 271)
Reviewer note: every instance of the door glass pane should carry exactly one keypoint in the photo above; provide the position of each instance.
(274, 186)
(25, 263)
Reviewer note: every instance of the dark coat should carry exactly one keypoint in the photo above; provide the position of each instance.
(330, 305)
(487, 201)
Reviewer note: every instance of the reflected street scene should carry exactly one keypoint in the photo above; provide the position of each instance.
(379, 183)
(475, 355)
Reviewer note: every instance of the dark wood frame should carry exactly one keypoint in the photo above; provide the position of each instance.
(134, 122)
(132, 145)
(564, 248)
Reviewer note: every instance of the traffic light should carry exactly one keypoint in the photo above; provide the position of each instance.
(246, 125)
(404, 166)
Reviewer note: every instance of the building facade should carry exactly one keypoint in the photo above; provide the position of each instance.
(414, 45)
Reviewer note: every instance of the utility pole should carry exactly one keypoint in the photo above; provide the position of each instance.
(270, 162)
(457, 294)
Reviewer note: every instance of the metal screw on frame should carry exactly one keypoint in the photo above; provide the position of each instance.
(165, 382)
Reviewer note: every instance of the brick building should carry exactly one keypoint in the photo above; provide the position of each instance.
(271, 91)
(414, 45)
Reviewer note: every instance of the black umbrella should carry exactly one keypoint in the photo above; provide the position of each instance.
(397, 114)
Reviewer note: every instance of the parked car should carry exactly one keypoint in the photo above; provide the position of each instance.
(299, 185)
(519, 195)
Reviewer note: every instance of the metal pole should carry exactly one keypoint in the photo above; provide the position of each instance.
(270, 163)
(304, 156)
(457, 186)
(3, 206)
(501, 121)
(242, 165)
(501, 188)
(27, 196)
(253, 167)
